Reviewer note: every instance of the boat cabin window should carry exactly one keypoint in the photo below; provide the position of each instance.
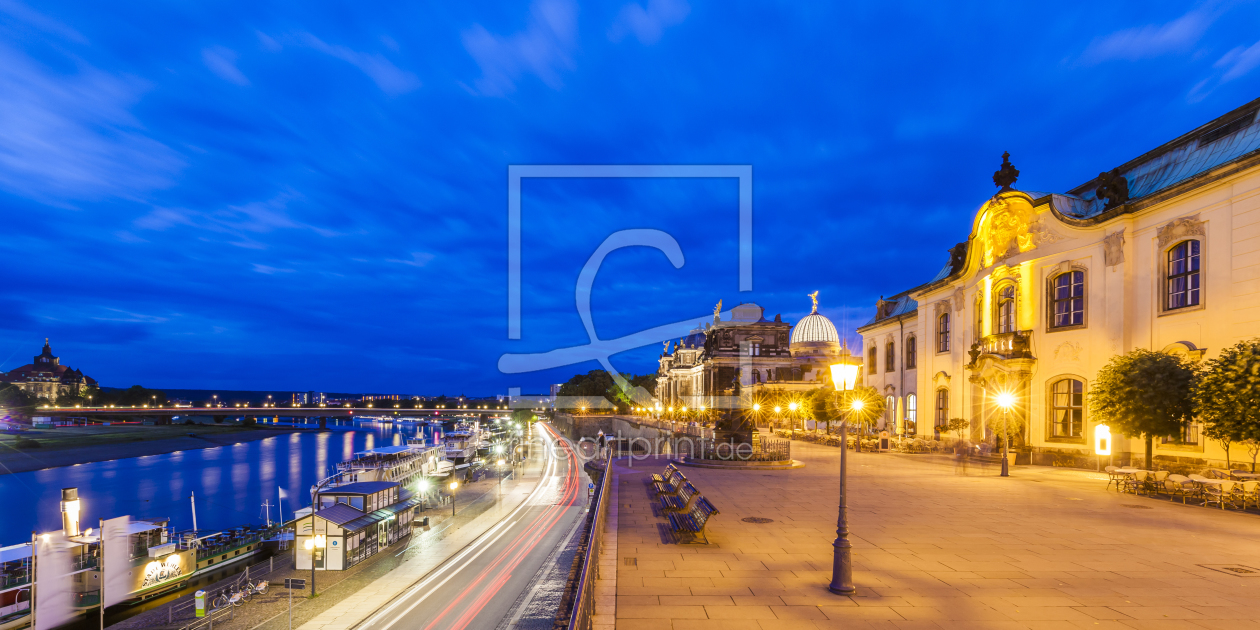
(356, 502)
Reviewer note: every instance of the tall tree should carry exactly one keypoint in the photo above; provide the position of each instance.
(1227, 397)
(1144, 394)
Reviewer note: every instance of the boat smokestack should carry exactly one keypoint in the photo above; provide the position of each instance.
(70, 511)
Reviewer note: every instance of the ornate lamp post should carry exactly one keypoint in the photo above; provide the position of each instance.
(1006, 400)
(843, 376)
(312, 544)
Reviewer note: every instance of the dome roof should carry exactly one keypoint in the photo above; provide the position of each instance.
(815, 328)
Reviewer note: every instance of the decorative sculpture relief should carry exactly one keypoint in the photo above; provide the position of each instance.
(1113, 188)
(1004, 178)
(1178, 229)
(1068, 351)
(958, 300)
(1039, 234)
(1113, 248)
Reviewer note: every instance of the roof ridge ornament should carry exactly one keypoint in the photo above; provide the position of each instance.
(1004, 178)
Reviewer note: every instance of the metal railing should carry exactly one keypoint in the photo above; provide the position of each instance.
(770, 451)
(87, 599)
(178, 609)
(10, 580)
(584, 591)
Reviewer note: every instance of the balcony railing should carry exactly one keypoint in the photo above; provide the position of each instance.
(10, 580)
(1011, 345)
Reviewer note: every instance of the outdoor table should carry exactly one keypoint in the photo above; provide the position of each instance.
(1245, 475)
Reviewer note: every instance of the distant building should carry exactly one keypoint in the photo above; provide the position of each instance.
(759, 353)
(47, 377)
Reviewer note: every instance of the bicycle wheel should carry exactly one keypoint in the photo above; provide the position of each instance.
(219, 602)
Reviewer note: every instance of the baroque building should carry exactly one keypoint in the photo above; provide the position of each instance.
(46, 377)
(1161, 252)
(757, 352)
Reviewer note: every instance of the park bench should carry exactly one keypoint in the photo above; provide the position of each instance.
(671, 487)
(692, 522)
(669, 473)
(679, 502)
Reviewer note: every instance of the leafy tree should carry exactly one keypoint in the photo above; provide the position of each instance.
(134, 396)
(1144, 394)
(523, 416)
(861, 407)
(1227, 398)
(598, 384)
(958, 425)
(16, 401)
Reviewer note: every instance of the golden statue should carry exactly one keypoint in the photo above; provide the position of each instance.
(814, 296)
(717, 311)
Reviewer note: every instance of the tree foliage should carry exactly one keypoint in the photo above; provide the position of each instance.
(958, 425)
(828, 405)
(1144, 394)
(598, 384)
(1227, 397)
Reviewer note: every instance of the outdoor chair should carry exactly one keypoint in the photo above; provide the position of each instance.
(1181, 486)
(1155, 482)
(1249, 491)
(1219, 493)
(1115, 477)
(1137, 483)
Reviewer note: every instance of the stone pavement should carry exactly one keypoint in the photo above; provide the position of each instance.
(933, 548)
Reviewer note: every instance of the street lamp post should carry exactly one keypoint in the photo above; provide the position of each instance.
(1006, 400)
(843, 376)
(454, 485)
(314, 542)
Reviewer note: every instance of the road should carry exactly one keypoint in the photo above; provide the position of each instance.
(478, 586)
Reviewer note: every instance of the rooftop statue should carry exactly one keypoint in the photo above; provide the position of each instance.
(1113, 188)
(1004, 178)
(814, 296)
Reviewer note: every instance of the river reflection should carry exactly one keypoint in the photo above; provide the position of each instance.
(230, 482)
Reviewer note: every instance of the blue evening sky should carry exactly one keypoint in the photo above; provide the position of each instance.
(314, 195)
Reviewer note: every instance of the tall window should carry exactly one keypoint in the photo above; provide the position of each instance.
(1067, 408)
(874, 353)
(1006, 309)
(1183, 275)
(1069, 299)
(1189, 434)
(942, 408)
(942, 333)
(890, 413)
(912, 352)
(754, 349)
(912, 414)
(890, 357)
(979, 315)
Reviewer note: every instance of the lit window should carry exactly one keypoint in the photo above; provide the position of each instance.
(912, 414)
(1183, 275)
(1006, 309)
(942, 333)
(754, 350)
(1067, 408)
(942, 408)
(874, 353)
(1069, 299)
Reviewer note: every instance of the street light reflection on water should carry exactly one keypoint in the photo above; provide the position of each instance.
(230, 482)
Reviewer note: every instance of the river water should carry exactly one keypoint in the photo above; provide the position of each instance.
(230, 483)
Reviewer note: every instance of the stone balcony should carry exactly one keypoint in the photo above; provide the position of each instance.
(1003, 346)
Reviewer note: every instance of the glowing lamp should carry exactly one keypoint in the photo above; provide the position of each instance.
(1005, 400)
(858, 404)
(844, 374)
(454, 485)
(756, 407)
(1102, 440)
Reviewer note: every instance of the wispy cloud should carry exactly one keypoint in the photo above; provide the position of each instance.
(390, 78)
(257, 217)
(222, 61)
(41, 21)
(1234, 64)
(72, 136)
(1152, 40)
(648, 24)
(418, 259)
(542, 49)
(265, 269)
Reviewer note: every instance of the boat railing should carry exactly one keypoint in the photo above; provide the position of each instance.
(18, 578)
(213, 547)
(83, 562)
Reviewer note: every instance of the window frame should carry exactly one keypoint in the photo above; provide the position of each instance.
(1167, 277)
(890, 356)
(910, 420)
(1052, 418)
(1052, 301)
(998, 303)
(874, 359)
(942, 333)
(911, 360)
(941, 419)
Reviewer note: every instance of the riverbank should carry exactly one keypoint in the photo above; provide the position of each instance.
(67, 446)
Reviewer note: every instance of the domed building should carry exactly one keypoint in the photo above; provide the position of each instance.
(757, 352)
(47, 377)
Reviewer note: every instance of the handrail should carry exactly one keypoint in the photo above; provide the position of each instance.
(584, 593)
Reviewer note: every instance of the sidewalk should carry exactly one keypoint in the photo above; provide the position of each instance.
(1045, 549)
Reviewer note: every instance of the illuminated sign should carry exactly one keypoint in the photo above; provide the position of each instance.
(1102, 440)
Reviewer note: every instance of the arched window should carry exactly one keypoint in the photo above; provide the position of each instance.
(890, 357)
(942, 409)
(1067, 299)
(1067, 408)
(942, 333)
(796, 373)
(1006, 309)
(890, 413)
(874, 353)
(912, 352)
(1183, 275)
(912, 414)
